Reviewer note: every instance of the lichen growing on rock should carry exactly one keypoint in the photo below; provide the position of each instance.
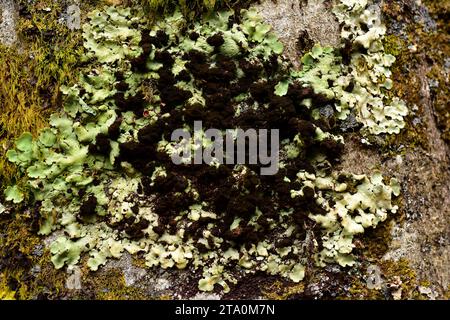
(369, 68)
(102, 174)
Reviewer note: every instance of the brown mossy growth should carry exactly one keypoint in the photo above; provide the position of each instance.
(138, 261)
(47, 283)
(251, 286)
(375, 242)
(397, 273)
(304, 42)
(439, 42)
(419, 49)
(282, 290)
(359, 291)
(114, 129)
(99, 286)
(447, 293)
(6, 292)
(401, 268)
(135, 230)
(25, 263)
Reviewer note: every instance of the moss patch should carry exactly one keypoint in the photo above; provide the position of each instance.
(392, 273)
(418, 44)
(280, 290)
(439, 43)
(32, 72)
(99, 286)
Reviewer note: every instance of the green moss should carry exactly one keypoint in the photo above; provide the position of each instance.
(402, 269)
(407, 86)
(359, 291)
(18, 252)
(105, 289)
(22, 106)
(391, 271)
(6, 293)
(376, 241)
(50, 283)
(280, 290)
(393, 45)
(447, 293)
(193, 8)
(437, 46)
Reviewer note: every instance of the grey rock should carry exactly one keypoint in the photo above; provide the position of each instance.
(8, 18)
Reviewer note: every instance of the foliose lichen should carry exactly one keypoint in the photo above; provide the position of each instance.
(100, 172)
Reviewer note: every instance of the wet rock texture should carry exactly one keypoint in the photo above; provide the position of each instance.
(414, 258)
